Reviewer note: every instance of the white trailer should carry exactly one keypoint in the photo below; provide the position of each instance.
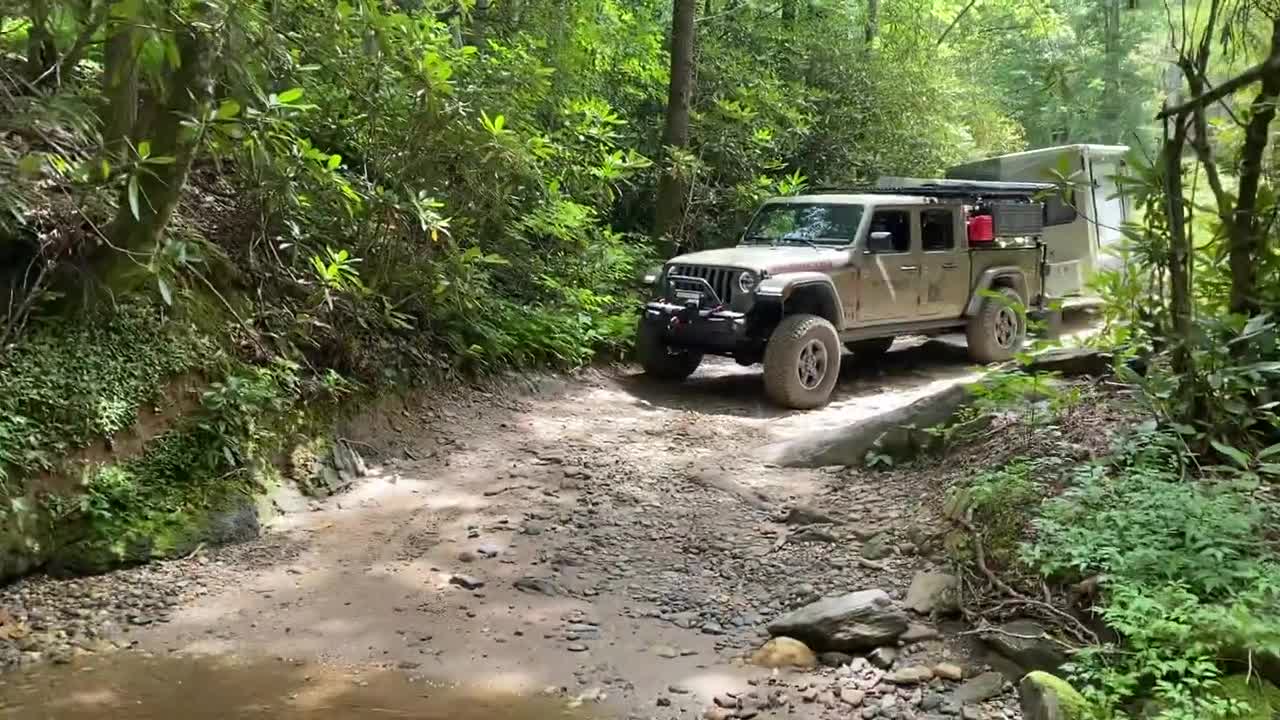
(1079, 228)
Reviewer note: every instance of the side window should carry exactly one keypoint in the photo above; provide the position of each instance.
(938, 230)
(897, 223)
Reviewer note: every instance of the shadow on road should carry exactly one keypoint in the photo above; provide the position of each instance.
(723, 387)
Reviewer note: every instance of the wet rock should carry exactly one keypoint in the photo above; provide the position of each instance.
(1026, 643)
(782, 652)
(981, 688)
(913, 675)
(847, 623)
(934, 591)
(883, 657)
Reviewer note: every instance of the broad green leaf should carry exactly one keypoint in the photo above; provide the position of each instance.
(228, 109)
(289, 96)
(144, 149)
(134, 204)
(1268, 452)
(1236, 455)
(334, 161)
(165, 293)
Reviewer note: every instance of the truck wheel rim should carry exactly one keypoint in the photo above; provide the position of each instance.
(812, 367)
(1006, 327)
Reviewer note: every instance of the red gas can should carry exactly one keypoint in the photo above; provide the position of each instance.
(981, 229)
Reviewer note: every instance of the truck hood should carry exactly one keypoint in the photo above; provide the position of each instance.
(774, 259)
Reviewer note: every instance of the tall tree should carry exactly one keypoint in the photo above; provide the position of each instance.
(872, 28)
(671, 186)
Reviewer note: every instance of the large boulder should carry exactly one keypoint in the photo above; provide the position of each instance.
(848, 623)
(1048, 697)
(1260, 697)
(1028, 645)
(934, 591)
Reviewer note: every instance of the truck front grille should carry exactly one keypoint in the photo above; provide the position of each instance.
(723, 280)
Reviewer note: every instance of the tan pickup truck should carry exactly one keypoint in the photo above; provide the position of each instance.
(815, 272)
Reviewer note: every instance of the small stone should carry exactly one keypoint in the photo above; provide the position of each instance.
(883, 657)
(712, 628)
(678, 690)
(666, 651)
(536, 586)
(663, 701)
(852, 697)
(784, 652)
(716, 713)
(466, 582)
(910, 675)
(949, 671)
(809, 695)
(577, 647)
(466, 556)
(971, 712)
(725, 701)
(934, 592)
(931, 701)
(877, 547)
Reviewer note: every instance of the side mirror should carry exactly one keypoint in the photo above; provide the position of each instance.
(880, 241)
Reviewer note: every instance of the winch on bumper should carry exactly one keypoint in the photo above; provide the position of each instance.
(708, 330)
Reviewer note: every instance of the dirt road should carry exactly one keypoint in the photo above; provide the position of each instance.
(614, 539)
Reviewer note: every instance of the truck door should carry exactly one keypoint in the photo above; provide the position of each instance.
(944, 263)
(889, 287)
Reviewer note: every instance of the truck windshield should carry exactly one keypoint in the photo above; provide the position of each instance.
(805, 224)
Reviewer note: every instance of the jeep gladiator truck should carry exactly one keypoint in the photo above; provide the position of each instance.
(818, 271)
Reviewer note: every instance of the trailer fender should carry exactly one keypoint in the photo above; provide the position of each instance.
(1010, 276)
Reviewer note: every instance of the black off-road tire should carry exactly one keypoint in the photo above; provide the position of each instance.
(658, 360)
(998, 330)
(870, 349)
(802, 362)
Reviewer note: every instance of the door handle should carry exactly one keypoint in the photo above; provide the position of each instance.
(909, 268)
(948, 266)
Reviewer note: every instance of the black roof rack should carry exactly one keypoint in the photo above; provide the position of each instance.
(939, 188)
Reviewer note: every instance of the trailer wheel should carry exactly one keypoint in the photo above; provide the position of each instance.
(802, 362)
(996, 332)
(660, 360)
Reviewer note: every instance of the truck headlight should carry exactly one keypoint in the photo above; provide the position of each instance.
(748, 281)
(651, 277)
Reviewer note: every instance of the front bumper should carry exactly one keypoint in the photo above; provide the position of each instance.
(716, 331)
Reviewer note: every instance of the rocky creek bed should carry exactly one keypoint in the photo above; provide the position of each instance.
(612, 542)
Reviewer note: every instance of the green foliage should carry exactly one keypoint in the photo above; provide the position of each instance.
(1187, 569)
(69, 383)
(1000, 502)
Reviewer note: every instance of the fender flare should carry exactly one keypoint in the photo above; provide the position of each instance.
(1010, 275)
(777, 289)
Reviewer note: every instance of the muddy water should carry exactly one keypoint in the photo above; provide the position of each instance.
(133, 686)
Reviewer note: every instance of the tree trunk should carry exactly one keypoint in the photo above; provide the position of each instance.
(188, 93)
(872, 29)
(788, 12)
(1113, 101)
(671, 186)
(479, 23)
(119, 84)
(42, 51)
(1179, 244)
(1246, 239)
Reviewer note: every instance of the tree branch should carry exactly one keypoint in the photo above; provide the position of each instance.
(1253, 74)
(942, 38)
